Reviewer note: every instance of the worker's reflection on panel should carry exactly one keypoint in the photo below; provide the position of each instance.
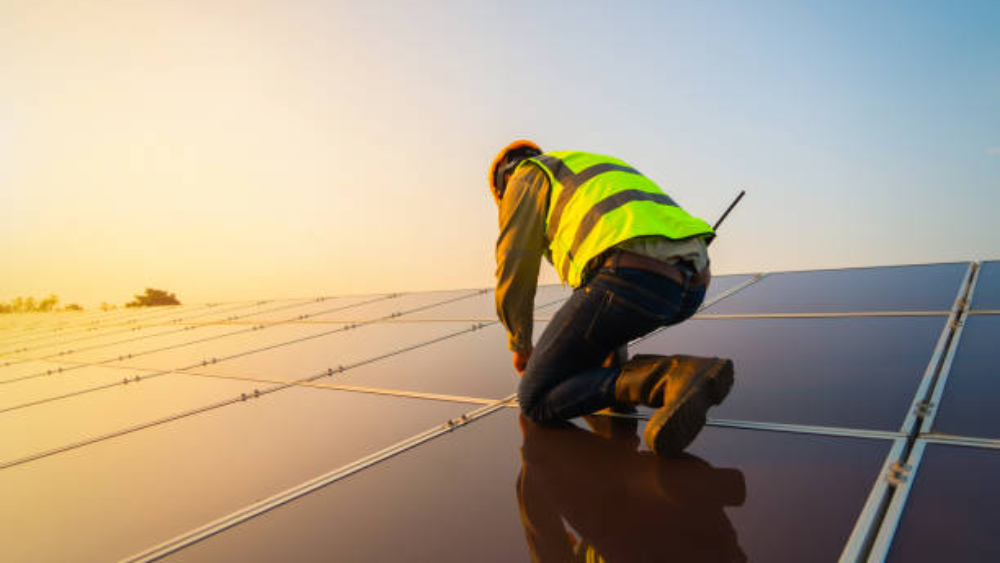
(593, 496)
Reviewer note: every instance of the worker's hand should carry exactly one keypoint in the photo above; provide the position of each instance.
(521, 361)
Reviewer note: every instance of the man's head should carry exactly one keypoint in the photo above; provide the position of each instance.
(505, 163)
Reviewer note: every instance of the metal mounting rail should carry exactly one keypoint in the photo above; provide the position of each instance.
(938, 361)
(957, 323)
(194, 536)
(971, 441)
(898, 480)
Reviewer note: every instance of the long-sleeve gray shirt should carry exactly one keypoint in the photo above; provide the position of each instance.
(522, 244)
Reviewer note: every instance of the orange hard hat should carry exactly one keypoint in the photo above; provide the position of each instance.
(497, 167)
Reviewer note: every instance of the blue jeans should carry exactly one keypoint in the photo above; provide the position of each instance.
(564, 378)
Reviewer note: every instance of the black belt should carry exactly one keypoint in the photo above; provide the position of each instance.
(625, 259)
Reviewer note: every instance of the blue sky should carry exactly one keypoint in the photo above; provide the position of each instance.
(204, 146)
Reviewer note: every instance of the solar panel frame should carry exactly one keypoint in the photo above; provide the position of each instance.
(941, 382)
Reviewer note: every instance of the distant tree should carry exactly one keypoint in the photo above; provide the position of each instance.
(105, 306)
(154, 298)
(72, 307)
(30, 305)
(49, 303)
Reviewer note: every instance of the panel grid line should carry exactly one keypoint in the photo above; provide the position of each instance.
(175, 322)
(130, 323)
(152, 373)
(243, 397)
(111, 317)
(196, 341)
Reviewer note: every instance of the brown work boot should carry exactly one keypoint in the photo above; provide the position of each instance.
(656, 381)
(701, 384)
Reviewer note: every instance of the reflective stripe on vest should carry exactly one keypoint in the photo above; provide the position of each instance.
(598, 201)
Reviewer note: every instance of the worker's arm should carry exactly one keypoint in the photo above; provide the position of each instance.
(519, 254)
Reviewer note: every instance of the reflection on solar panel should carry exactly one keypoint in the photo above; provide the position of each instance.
(383, 427)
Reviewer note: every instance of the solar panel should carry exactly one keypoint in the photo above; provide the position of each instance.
(62, 343)
(476, 493)
(951, 511)
(115, 347)
(30, 325)
(900, 288)
(969, 403)
(86, 416)
(482, 307)
(842, 372)
(479, 365)
(312, 307)
(117, 497)
(397, 305)
(987, 295)
(318, 351)
(197, 349)
(722, 284)
(18, 370)
(35, 389)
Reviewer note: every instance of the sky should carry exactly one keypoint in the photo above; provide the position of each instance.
(236, 150)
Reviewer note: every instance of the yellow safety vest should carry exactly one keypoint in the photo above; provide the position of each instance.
(599, 201)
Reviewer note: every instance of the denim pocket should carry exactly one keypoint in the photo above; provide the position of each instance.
(618, 321)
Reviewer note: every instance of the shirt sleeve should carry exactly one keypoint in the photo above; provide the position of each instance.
(520, 248)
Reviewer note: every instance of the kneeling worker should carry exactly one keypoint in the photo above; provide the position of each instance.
(636, 261)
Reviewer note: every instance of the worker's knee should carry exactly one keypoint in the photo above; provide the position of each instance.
(530, 399)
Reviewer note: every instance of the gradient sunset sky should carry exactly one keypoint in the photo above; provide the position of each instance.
(229, 150)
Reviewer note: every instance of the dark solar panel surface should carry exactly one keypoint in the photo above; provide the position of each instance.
(41, 388)
(117, 497)
(952, 512)
(478, 365)
(900, 288)
(969, 404)
(987, 295)
(845, 372)
(237, 402)
(318, 349)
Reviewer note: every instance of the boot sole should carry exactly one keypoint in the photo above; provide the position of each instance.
(668, 434)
